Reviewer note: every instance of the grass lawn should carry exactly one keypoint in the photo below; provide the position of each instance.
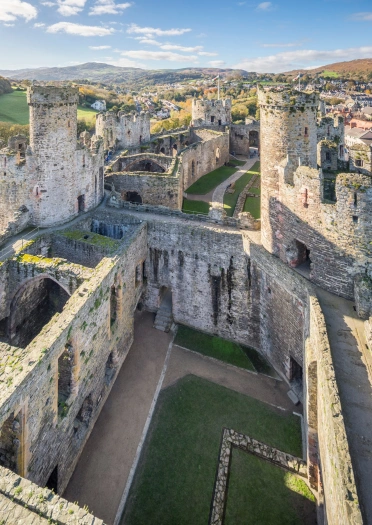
(230, 199)
(213, 346)
(236, 162)
(330, 74)
(14, 108)
(260, 493)
(174, 481)
(195, 206)
(211, 180)
(253, 205)
(226, 351)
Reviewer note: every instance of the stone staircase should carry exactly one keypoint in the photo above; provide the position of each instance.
(164, 319)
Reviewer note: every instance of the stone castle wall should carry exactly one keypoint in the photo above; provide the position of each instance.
(99, 344)
(242, 136)
(211, 112)
(122, 130)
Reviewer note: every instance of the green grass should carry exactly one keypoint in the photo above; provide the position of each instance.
(211, 180)
(226, 351)
(253, 205)
(330, 74)
(213, 346)
(14, 108)
(230, 199)
(87, 114)
(237, 162)
(174, 480)
(92, 238)
(195, 206)
(260, 493)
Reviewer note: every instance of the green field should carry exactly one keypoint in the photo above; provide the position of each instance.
(174, 480)
(330, 74)
(189, 206)
(260, 493)
(14, 109)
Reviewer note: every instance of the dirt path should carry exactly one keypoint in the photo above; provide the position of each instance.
(219, 192)
(351, 361)
(101, 474)
(264, 388)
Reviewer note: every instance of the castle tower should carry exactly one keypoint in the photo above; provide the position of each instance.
(288, 140)
(53, 141)
(123, 130)
(211, 112)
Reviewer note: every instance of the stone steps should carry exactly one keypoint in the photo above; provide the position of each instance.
(163, 320)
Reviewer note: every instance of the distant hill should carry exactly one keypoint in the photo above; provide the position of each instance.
(99, 72)
(5, 86)
(362, 66)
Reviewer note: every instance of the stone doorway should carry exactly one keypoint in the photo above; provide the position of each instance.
(52, 483)
(81, 203)
(164, 316)
(134, 197)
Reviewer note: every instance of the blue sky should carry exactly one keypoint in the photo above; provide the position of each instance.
(155, 34)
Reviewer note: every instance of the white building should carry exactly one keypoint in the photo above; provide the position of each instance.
(99, 105)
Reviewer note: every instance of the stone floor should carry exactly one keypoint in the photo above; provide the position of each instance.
(101, 474)
(353, 366)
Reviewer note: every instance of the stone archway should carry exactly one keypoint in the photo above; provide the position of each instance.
(33, 306)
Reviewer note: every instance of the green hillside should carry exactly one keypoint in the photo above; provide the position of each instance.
(14, 109)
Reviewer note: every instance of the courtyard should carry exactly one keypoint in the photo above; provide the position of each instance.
(155, 446)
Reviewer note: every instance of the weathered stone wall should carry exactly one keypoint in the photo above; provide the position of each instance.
(327, 443)
(210, 152)
(327, 155)
(156, 189)
(24, 502)
(242, 136)
(214, 286)
(97, 327)
(130, 162)
(123, 130)
(332, 129)
(211, 112)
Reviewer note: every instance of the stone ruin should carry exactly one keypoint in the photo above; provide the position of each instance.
(68, 296)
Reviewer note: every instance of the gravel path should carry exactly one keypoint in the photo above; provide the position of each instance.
(219, 192)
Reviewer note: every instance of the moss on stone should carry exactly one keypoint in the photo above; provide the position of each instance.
(92, 238)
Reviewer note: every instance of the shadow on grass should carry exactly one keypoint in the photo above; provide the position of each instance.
(260, 493)
(175, 477)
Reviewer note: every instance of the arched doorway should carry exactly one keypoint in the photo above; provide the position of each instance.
(254, 139)
(218, 155)
(134, 197)
(33, 306)
(174, 150)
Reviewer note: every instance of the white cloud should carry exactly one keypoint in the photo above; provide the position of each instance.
(98, 48)
(305, 58)
(362, 17)
(265, 6)
(70, 7)
(134, 28)
(159, 55)
(79, 29)
(148, 41)
(217, 63)
(9, 25)
(207, 54)
(10, 10)
(126, 62)
(39, 24)
(48, 4)
(171, 47)
(108, 7)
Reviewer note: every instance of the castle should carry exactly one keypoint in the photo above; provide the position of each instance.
(68, 297)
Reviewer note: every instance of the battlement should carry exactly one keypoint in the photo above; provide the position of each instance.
(46, 95)
(225, 103)
(288, 99)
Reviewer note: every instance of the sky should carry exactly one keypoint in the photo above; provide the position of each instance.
(168, 34)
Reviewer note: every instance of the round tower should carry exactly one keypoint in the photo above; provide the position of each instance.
(53, 141)
(211, 112)
(288, 139)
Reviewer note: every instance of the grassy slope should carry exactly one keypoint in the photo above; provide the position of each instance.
(260, 493)
(212, 346)
(230, 199)
(175, 478)
(14, 109)
(195, 206)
